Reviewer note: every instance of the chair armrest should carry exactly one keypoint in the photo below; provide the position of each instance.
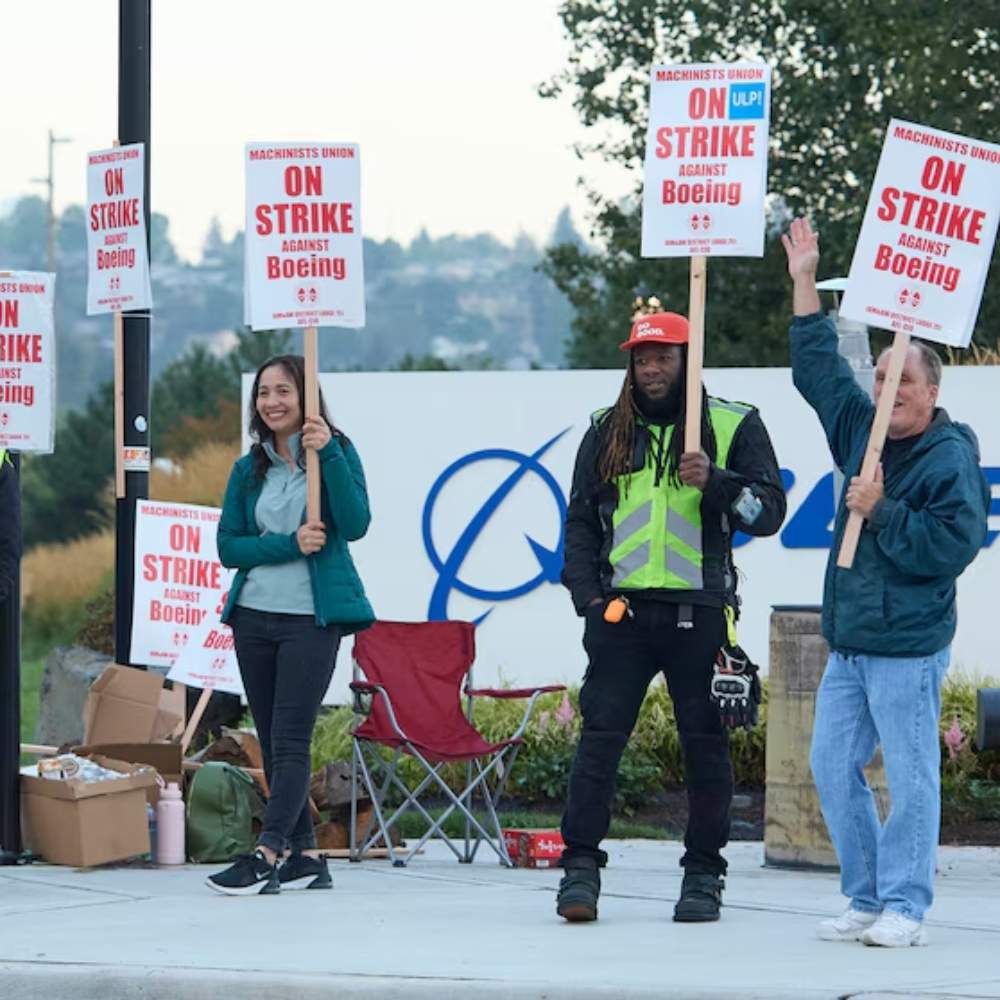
(512, 692)
(363, 687)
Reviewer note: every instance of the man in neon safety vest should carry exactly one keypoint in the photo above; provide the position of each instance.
(648, 562)
(10, 525)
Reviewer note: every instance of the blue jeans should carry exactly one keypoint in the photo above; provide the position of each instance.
(892, 702)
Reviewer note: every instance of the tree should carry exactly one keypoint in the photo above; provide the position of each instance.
(841, 71)
(64, 491)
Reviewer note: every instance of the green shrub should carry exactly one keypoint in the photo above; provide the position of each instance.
(97, 630)
(653, 761)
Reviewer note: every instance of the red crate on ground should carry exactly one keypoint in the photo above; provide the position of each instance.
(534, 848)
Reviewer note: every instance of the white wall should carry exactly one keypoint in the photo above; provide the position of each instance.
(410, 427)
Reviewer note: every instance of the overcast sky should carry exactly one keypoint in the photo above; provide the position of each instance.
(440, 94)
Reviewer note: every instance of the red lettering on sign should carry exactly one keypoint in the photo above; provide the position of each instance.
(185, 538)
(704, 103)
(9, 312)
(946, 218)
(314, 217)
(924, 269)
(114, 181)
(705, 141)
(303, 181)
(21, 348)
(940, 176)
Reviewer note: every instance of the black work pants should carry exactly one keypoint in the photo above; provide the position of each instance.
(624, 658)
(286, 662)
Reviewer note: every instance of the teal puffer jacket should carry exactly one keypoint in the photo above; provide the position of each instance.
(899, 597)
(338, 595)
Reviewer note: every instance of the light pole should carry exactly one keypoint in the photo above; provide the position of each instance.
(49, 182)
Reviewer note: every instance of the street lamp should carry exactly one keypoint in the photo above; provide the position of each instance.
(50, 183)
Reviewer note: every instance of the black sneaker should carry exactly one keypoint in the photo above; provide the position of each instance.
(576, 900)
(701, 898)
(249, 875)
(300, 871)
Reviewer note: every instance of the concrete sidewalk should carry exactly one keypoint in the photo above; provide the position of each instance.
(442, 930)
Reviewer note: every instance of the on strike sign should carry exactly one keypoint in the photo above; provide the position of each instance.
(303, 263)
(209, 659)
(27, 361)
(117, 259)
(179, 582)
(706, 160)
(921, 260)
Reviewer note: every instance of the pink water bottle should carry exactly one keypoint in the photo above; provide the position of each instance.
(170, 826)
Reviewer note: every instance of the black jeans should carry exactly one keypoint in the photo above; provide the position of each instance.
(624, 658)
(286, 662)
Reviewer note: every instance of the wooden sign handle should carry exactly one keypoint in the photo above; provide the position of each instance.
(199, 711)
(696, 351)
(312, 410)
(119, 340)
(876, 441)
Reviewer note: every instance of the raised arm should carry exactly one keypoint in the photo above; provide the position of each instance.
(821, 375)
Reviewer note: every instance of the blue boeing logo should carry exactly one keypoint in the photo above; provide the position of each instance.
(549, 560)
(809, 527)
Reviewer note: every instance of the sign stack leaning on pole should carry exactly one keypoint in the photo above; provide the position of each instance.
(118, 267)
(920, 263)
(705, 182)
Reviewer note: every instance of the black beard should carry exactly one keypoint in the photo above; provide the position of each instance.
(660, 411)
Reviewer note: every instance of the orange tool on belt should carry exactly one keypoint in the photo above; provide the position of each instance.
(616, 610)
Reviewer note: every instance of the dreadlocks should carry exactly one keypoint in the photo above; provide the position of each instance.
(618, 431)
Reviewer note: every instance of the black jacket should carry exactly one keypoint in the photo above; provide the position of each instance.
(10, 527)
(586, 570)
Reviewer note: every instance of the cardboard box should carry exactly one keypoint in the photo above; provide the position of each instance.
(87, 823)
(534, 848)
(167, 758)
(126, 705)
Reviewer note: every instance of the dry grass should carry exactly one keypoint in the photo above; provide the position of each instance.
(975, 355)
(65, 575)
(68, 573)
(200, 478)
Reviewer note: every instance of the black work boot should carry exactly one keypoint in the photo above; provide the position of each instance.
(576, 900)
(701, 897)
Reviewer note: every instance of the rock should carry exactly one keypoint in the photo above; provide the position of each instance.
(331, 787)
(69, 672)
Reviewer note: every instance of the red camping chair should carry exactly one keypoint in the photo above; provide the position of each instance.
(413, 675)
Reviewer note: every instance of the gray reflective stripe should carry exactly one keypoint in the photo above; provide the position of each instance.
(685, 569)
(627, 565)
(634, 522)
(688, 533)
(723, 404)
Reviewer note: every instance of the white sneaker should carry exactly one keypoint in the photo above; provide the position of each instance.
(847, 927)
(893, 930)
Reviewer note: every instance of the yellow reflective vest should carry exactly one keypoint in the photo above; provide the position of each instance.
(657, 527)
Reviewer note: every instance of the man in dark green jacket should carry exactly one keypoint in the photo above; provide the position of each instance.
(10, 525)
(890, 619)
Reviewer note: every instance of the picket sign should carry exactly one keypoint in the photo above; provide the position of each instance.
(304, 261)
(922, 256)
(705, 179)
(118, 266)
(27, 362)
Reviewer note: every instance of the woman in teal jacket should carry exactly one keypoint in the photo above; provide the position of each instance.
(296, 593)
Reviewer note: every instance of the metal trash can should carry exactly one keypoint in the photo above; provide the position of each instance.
(795, 833)
(988, 719)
